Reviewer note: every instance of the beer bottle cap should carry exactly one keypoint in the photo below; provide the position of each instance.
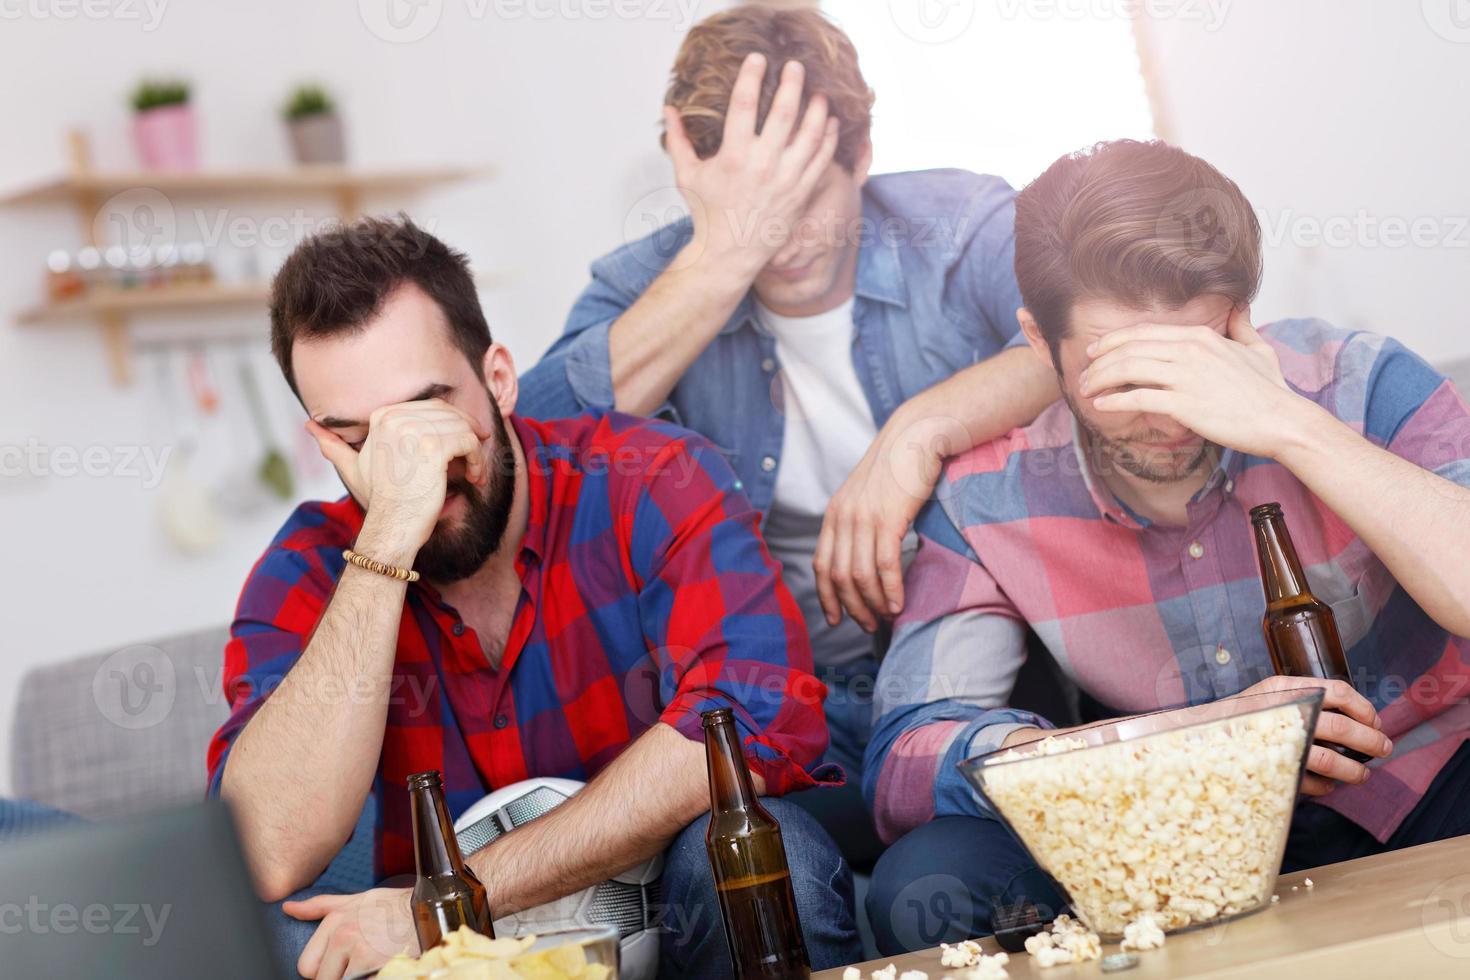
(1118, 962)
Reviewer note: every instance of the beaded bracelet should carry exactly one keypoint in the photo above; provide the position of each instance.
(382, 568)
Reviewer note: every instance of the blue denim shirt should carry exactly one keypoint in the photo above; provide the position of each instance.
(935, 293)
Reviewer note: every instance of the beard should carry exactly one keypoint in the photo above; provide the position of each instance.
(456, 551)
(1111, 453)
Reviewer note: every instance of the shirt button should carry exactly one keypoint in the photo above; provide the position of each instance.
(501, 721)
(459, 629)
(1196, 550)
(768, 365)
(768, 464)
(1222, 656)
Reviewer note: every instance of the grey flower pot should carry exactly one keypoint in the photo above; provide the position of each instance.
(318, 139)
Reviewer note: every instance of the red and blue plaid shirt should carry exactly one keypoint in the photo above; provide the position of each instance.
(1145, 616)
(647, 595)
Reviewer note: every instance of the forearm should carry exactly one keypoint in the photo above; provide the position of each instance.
(629, 813)
(300, 770)
(987, 399)
(1416, 522)
(657, 338)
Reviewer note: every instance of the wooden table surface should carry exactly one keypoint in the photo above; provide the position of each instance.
(1401, 914)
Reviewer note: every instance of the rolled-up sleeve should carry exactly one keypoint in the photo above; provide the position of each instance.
(722, 624)
(279, 606)
(943, 686)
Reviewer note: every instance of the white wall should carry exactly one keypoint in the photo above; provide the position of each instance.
(564, 107)
(1341, 120)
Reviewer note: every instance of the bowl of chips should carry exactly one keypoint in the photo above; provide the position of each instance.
(1178, 816)
(568, 954)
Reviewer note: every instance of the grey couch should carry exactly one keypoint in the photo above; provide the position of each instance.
(111, 735)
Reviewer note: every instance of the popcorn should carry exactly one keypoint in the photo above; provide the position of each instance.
(1308, 883)
(970, 955)
(967, 954)
(1051, 745)
(1183, 825)
(1069, 941)
(1143, 933)
(1275, 899)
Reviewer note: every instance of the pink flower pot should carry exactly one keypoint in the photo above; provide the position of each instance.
(166, 138)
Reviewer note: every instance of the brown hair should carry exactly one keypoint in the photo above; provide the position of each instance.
(713, 51)
(1134, 222)
(337, 280)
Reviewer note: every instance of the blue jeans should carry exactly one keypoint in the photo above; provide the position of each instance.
(841, 809)
(693, 941)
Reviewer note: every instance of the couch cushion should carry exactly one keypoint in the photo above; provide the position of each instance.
(120, 733)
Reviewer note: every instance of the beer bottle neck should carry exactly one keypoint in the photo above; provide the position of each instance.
(730, 785)
(435, 849)
(1281, 570)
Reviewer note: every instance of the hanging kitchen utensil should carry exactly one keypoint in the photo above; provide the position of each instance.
(186, 510)
(273, 470)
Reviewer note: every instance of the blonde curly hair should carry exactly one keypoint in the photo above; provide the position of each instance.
(712, 53)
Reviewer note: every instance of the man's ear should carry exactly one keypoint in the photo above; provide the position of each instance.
(1035, 338)
(500, 378)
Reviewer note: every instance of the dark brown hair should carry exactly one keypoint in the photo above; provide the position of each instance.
(337, 280)
(1139, 223)
(710, 58)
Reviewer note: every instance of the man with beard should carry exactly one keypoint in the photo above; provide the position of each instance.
(500, 599)
(1116, 526)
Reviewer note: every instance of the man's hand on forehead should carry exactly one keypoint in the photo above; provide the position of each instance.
(746, 198)
(1227, 387)
(401, 471)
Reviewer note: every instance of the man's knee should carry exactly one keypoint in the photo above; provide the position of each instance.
(819, 874)
(936, 883)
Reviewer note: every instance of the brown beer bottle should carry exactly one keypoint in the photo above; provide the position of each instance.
(1301, 632)
(752, 879)
(447, 894)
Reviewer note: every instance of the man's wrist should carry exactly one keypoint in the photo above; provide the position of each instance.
(385, 541)
(728, 272)
(1303, 431)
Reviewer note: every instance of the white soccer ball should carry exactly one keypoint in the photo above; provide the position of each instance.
(629, 902)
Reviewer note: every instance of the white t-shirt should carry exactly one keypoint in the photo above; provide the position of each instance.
(828, 427)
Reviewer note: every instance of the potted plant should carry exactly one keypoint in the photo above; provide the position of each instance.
(316, 129)
(163, 125)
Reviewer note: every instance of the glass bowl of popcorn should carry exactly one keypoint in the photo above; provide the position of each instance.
(1179, 816)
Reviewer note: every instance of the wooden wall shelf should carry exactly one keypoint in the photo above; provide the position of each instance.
(158, 299)
(325, 179)
(86, 189)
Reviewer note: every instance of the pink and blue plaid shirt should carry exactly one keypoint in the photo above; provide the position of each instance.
(1144, 617)
(647, 595)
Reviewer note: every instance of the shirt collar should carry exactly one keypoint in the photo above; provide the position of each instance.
(1222, 477)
